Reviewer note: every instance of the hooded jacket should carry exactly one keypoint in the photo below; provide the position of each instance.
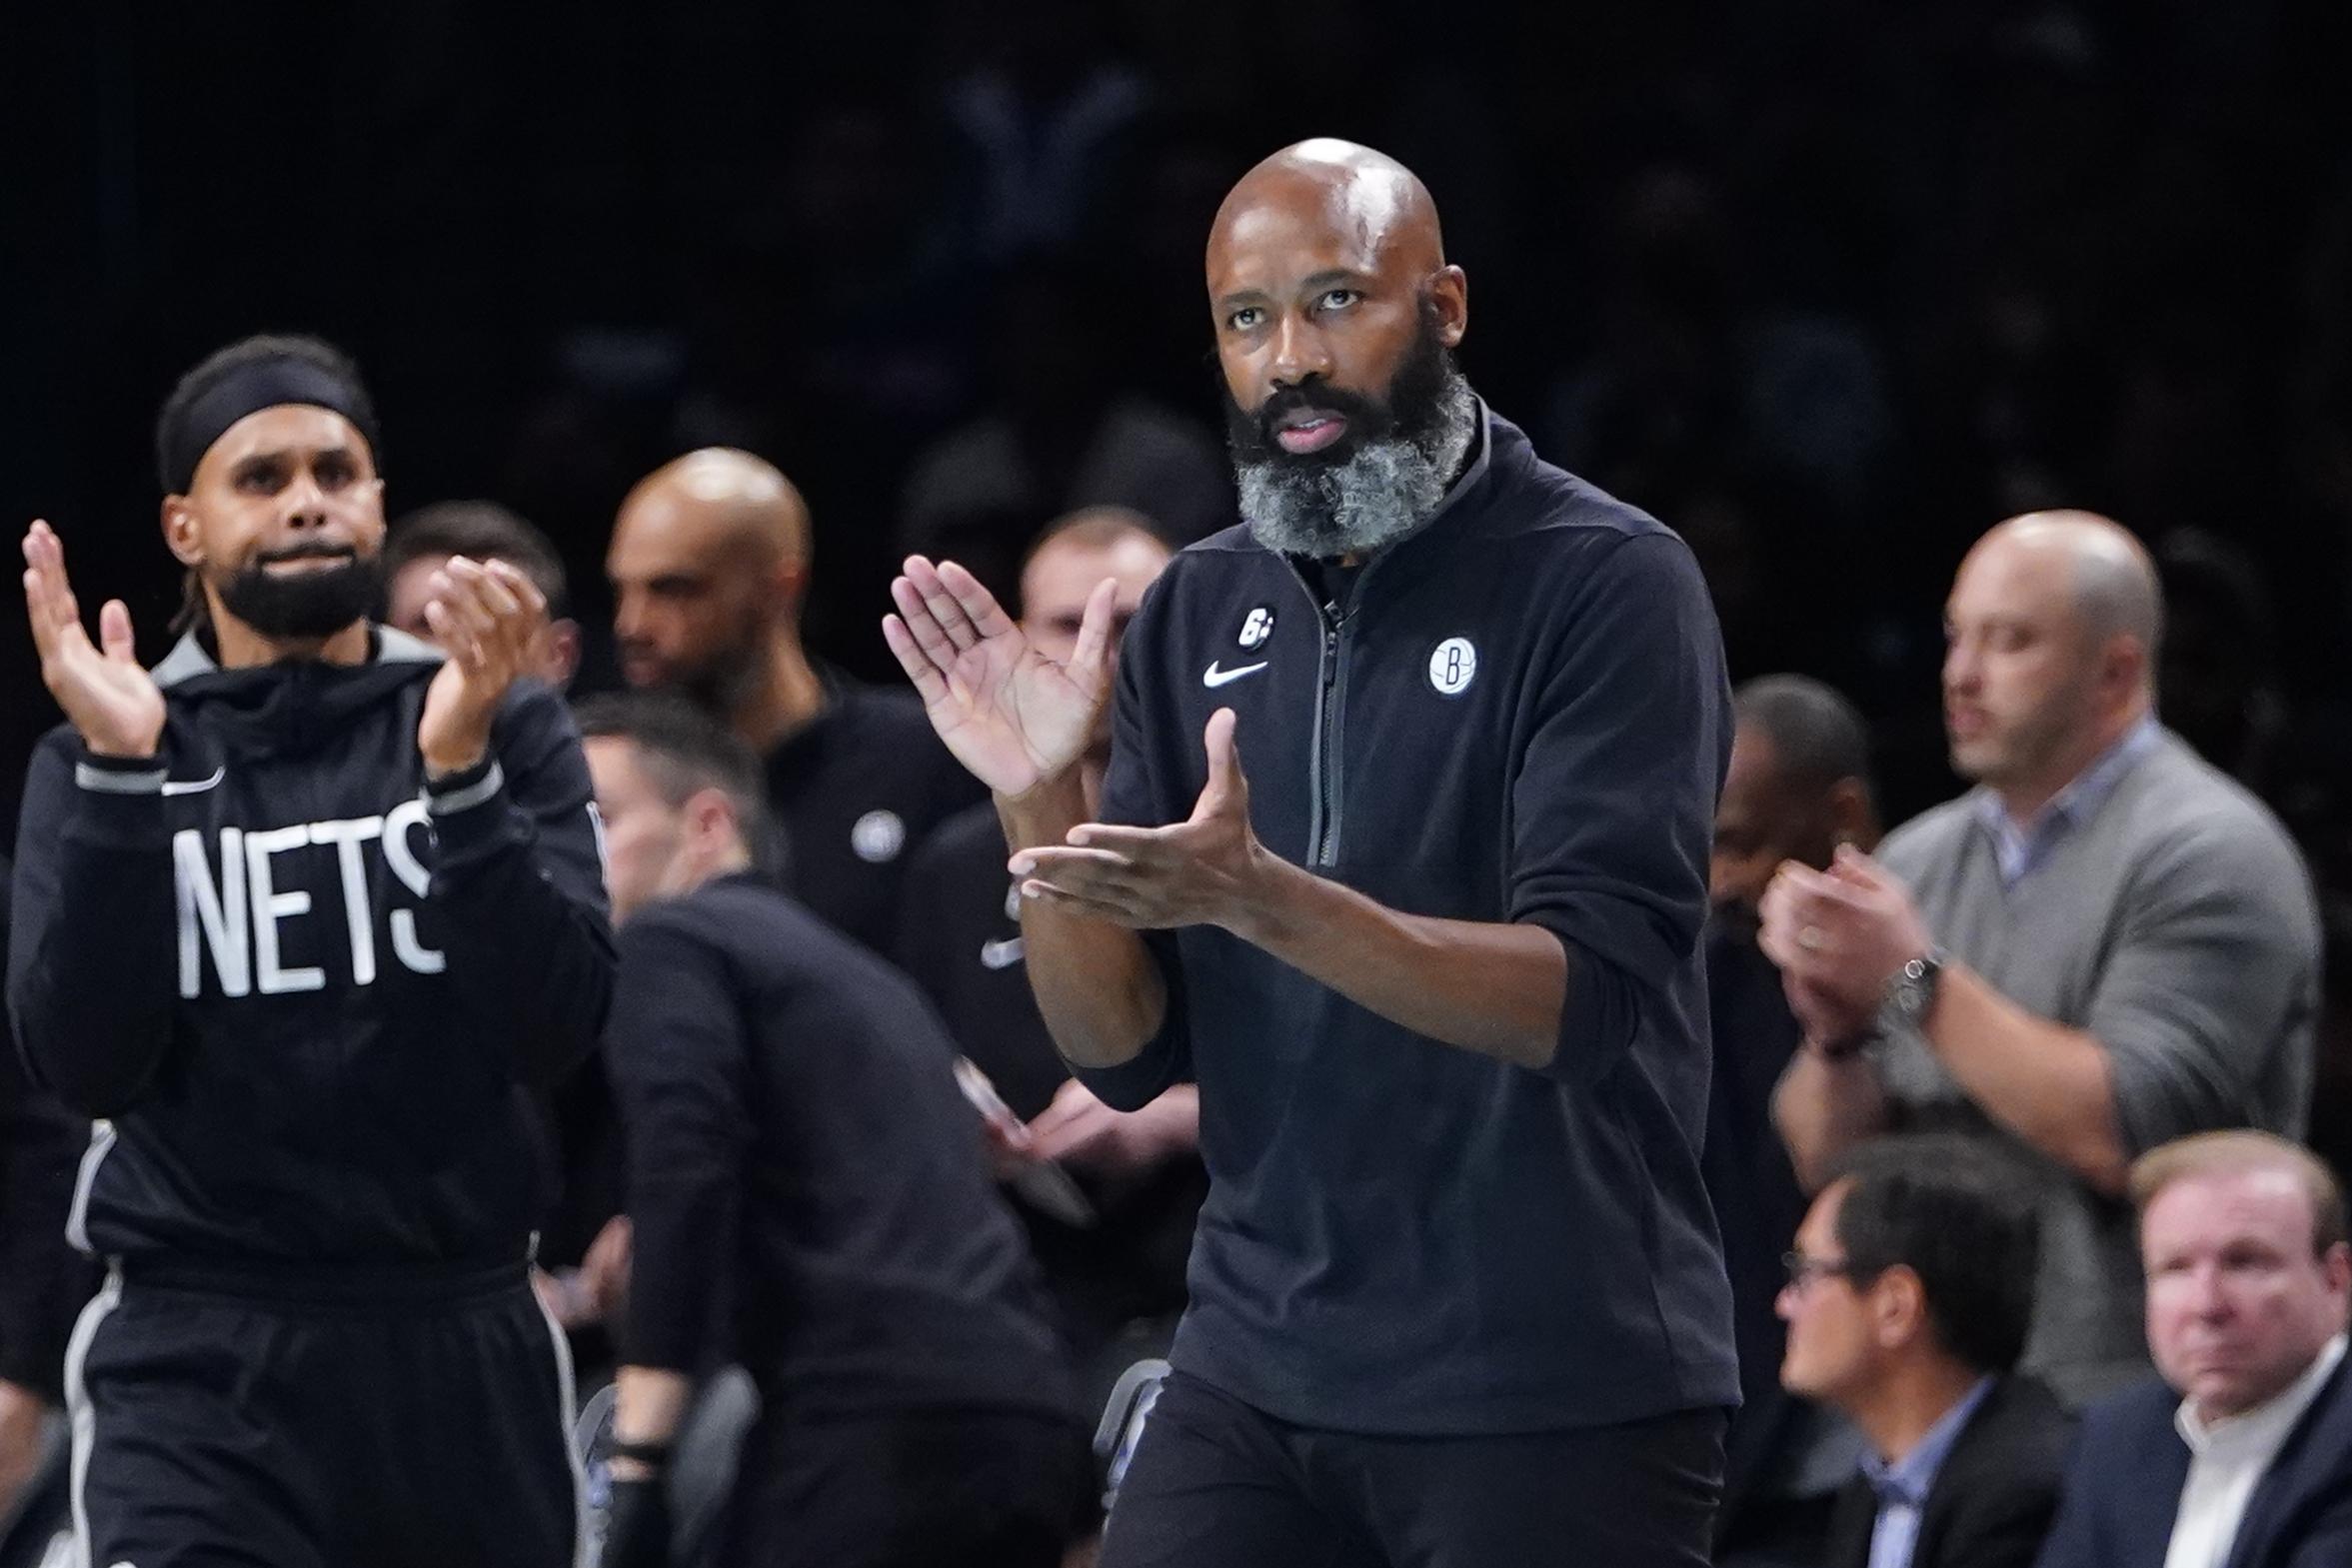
(305, 994)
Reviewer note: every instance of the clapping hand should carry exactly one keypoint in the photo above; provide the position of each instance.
(107, 696)
(1010, 715)
(486, 614)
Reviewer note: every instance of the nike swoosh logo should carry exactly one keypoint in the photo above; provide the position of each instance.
(1213, 678)
(193, 786)
(1001, 955)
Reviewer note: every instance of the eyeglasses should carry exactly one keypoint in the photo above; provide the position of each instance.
(1803, 1270)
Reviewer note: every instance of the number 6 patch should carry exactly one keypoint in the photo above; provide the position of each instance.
(1454, 666)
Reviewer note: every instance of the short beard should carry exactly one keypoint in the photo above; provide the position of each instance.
(1382, 480)
(724, 684)
(304, 605)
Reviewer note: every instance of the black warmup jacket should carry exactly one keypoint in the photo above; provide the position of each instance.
(306, 995)
(1517, 713)
(799, 1153)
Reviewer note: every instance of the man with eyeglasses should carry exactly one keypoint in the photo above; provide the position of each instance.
(1908, 1298)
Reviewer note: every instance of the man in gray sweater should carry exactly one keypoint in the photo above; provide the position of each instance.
(2103, 947)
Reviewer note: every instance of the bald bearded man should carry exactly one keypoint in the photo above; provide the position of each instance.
(710, 564)
(1434, 960)
(2107, 944)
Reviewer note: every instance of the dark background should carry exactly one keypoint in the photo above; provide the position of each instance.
(1829, 285)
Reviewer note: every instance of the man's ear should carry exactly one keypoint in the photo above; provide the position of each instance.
(1899, 1307)
(182, 533)
(1449, 294)
(790, 583)
(2124, 665)
(709, 819)
(563, 652)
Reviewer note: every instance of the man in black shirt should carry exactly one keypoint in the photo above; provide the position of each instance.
(1434, 963)
(304, 915)
(797, 1150)
(710, 569)
(960, 939)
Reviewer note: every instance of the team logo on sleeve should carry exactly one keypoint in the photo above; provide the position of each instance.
(1453, 666)
(878, 836)
(1256, 627)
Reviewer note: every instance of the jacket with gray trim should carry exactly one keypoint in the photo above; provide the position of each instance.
(308, 995)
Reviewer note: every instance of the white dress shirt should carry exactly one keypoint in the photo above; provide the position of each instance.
(2227, 1460)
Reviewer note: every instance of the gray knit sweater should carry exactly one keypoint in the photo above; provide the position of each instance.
(2177, 926)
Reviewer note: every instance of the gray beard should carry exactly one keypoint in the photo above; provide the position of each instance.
(1383, 489)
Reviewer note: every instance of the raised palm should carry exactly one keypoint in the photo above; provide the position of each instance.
(107, 696)
(1007, 712)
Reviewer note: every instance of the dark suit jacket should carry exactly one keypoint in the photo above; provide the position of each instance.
(2123, 1487)
(1991, 1503)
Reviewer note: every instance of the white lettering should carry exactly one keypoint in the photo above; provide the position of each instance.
(211, 913)
(270, 907)
(240, 915)
(347, 836)
(401, 857)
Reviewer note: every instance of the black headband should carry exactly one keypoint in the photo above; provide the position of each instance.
(261, 383)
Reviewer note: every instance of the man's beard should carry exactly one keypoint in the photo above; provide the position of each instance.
(1376, 483)
(726, 676)
(304, 606)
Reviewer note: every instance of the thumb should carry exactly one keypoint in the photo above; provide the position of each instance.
(114, 632)
(1852, 866)
(1226, 784)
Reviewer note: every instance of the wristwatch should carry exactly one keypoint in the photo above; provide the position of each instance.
(1910, 995)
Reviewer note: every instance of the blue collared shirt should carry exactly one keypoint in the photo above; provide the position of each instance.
(1902, 1487)
(2023, 849)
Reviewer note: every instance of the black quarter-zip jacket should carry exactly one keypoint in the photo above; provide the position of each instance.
(1517, 713)
(308, 995)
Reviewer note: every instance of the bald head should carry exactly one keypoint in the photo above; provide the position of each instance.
(708, 561)
(2113, 582)
(1367, 202)
(728, 499)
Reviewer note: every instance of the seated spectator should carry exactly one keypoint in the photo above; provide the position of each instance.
(420, 543)
(2106, 946)
(800, 1163)
(961, 941)
(1908, 1298)
(1799, 787)
(2242, 1455)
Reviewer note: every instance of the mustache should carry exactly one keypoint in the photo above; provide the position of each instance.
(1252, 431)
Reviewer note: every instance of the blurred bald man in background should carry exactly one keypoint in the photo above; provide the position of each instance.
(2107, 944)
(709, 567)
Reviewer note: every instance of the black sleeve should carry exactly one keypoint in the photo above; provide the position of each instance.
(91, 965)
(43, 1281)
(519, 880)
(676, 1052)
(1613, 810)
